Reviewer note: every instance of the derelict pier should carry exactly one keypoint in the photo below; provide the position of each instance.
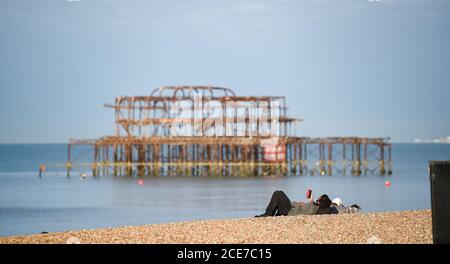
(210, 131)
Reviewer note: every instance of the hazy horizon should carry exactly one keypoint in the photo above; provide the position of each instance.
(348, 67)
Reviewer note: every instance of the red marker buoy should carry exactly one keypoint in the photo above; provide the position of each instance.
(387, 183)
(141, 182)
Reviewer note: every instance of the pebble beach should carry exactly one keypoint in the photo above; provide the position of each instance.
(372, 228)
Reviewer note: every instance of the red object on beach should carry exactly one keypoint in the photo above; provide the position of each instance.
(308, 193)
(141, 182)
(387, 183)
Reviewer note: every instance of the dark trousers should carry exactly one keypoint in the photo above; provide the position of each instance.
(279, 204)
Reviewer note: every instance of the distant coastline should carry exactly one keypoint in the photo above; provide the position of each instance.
(442, 140)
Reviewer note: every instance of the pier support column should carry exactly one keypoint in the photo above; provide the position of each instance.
(389, 160)
(68, 164)
(157, 161)
(300, 158)
(382, 170)
(358, 159)
(322, 158)
(353, 159)
(147, 158)
(94, 165)
(330, 159)
(106, 160)
(129, 159)
(294, 160)
(344, 160)
(115, 159)
(365, 162)
(305, 153)
(141, 160)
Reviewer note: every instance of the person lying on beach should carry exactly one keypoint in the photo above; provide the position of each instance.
(281, 205)
(337, 207)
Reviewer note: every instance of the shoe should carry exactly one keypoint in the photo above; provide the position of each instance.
(261, 215)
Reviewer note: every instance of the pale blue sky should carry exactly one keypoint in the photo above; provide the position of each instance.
(349, 67)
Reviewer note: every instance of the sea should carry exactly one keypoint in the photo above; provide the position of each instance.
(31, 204)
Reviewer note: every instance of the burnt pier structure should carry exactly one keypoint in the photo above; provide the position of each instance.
(210, 131)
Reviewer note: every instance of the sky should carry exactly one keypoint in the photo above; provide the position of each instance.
(375, 68)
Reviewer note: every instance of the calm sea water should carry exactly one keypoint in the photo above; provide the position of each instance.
(29, 204)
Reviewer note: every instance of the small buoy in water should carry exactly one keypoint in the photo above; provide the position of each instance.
(141, 182)
(83, 176)
(387, 183)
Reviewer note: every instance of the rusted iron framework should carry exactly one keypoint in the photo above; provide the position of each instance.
(167, 134)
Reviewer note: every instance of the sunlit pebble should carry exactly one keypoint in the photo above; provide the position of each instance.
(73, 240)
(374, 240)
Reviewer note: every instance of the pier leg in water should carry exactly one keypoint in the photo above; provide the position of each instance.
(41, 170)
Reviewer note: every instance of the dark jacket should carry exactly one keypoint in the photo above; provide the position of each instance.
(303, 208)
(320, 206)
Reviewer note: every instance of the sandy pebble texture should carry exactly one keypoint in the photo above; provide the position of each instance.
(386, 227)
